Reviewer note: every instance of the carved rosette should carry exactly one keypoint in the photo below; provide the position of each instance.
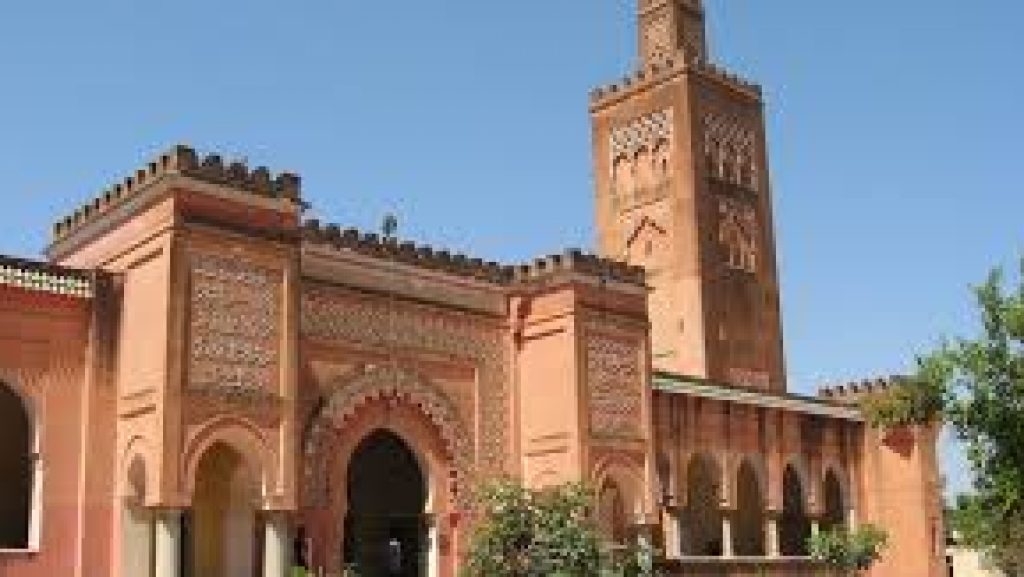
(328, 318)
(234, 326)
(614, 386)
(389, 382)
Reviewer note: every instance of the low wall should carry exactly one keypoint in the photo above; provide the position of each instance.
(743, 567)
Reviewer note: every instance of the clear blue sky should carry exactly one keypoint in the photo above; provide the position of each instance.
(894, 132)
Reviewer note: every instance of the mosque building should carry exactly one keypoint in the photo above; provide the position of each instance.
(199, 382)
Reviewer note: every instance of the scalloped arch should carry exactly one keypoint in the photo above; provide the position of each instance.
(373, 383)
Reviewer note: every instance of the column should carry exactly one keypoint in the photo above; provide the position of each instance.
(771, 537)
(432, 557)
(277, 546)
(851, 519)
(168, 543)
(815, 527)
(727, 550)
(673, 531)
(645, 546)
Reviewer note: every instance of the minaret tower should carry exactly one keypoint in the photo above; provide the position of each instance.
(683, 189)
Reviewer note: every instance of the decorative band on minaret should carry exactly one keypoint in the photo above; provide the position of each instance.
(669, 29)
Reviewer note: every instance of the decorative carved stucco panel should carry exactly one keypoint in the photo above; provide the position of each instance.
(738, 234)
(333, 316)
(393, 383)
(234, 324)
(730, 149)
(614, 385)
(641, 160)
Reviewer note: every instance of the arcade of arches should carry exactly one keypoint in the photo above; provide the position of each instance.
(709, 527)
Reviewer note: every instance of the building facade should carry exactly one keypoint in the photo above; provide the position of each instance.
(198, 382)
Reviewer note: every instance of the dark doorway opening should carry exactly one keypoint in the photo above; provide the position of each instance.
(15, 471)
(384, 527)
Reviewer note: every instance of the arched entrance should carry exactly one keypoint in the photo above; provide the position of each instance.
(835, 509)
(796, 526)
(16, 471)
(702, 518)
(612, 518)
(748, 532)
(222, 523)
(387, 495)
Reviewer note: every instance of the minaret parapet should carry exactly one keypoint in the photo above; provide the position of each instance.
(183, 160)
(658, 72)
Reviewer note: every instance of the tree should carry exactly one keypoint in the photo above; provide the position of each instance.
(549, 532)
(977, 386)
(848, 551)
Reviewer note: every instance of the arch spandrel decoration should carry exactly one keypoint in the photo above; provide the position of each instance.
(330, 317)
(386, 382)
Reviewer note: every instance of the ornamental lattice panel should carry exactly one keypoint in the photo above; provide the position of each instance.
(234, 325)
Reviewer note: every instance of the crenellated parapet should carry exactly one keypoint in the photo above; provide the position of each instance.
(405, 252)
(656, 73)
(542, 269)
(853, 393)
(185, 161)
(574, 261)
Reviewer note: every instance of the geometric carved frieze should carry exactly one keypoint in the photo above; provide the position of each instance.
(614, 381)
(645, 131)
(329, 317)
(729, 146)
(234, 325)
(262, 408)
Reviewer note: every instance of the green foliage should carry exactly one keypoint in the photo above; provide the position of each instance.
(977, 386)
(919, 399)
(848, 551)
(532, 533)
(1000, 537)
(524, 533)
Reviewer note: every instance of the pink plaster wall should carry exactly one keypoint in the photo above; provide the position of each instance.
(43, 342)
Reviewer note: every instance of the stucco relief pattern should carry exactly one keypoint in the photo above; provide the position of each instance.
(729, 145)
(645, 131)
(738, 232)
(614, 384)
(234, 325)
(657, 33)
(641, 168)
(385, 382)
(337, 319)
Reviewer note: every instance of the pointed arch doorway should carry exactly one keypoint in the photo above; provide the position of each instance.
(385, 532)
